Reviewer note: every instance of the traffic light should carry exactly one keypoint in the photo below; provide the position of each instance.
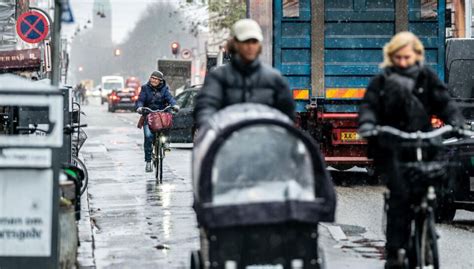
(175, 48)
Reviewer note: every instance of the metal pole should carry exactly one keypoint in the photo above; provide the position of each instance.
(56, 73)
(247, 8)
(317, 48)
(468, 9)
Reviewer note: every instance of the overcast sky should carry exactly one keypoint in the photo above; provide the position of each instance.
(125, 14)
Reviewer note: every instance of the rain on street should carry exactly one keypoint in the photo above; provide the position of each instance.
(236, 134)
(138, 223)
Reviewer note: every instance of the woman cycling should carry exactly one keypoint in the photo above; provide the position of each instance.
(405, 95)
(155, 94)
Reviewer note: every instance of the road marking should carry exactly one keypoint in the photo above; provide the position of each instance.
(336, 232)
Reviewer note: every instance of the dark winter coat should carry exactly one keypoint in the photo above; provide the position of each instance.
(155, 98)
(239, 83)
(407, 101)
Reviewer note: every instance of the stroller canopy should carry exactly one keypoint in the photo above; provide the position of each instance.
(252, 166)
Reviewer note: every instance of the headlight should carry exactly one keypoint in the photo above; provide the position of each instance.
(163, 139)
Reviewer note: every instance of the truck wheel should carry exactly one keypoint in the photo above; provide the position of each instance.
(445, 213)
(373, 178)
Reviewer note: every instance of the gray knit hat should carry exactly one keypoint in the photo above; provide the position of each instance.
(157, 74)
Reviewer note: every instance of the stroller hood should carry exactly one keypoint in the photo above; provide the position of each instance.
(251, 166)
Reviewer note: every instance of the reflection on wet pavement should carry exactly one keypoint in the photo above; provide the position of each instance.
(136, 223)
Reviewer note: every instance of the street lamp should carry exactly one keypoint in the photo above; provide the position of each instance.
(117, 52)
(81, 68)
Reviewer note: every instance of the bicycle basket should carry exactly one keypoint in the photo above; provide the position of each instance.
(77, 143)
(159, 120)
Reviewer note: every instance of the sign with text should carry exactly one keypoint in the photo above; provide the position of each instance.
(26, 212)
(19, 59)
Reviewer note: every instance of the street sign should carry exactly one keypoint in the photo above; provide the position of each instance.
(66, 14)
(186, 54)
(32, 26)
(24, 59)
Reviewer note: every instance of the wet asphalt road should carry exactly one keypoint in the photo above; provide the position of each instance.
(138, 224)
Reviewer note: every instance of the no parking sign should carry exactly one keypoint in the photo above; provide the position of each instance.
(32, 26)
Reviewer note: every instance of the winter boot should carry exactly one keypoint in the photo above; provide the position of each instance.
(148, 168)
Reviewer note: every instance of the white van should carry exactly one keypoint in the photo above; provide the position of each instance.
(110, 83)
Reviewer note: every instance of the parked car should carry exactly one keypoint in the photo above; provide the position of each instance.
(122, 99)
(183, 122)
(459, 192)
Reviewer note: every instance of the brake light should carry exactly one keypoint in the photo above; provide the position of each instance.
(114, 97)
(135, 98)
(436, 122)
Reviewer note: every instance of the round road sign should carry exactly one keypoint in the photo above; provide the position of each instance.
(186, 54)
(32, 26)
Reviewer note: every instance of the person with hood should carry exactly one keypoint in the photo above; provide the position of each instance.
(155, 94)
(244, 79)
(405, 95)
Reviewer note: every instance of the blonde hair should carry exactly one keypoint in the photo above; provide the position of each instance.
(400, 41)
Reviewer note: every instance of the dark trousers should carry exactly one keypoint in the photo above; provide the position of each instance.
(398, 214)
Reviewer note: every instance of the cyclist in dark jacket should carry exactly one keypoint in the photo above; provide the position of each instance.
(155, 94)
(405, 95)
(245, 79)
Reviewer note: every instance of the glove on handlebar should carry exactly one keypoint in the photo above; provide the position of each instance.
(366, 128)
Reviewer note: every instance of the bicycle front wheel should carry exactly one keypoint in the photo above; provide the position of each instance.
(161, 157)
(157, 159)
(77, 162)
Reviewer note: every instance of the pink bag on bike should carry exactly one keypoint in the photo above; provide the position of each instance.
(158, 121)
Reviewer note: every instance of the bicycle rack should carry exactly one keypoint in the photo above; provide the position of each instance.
(29, 170)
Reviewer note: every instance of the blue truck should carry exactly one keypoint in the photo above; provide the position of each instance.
(328, 50)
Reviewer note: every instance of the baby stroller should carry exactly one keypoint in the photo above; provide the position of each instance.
(260, 189)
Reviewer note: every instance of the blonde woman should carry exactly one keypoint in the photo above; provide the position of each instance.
(405, 95)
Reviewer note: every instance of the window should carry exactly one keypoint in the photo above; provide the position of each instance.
(429, 9)
(291, 8)
(112, 85)
(191, 99)
(180, 99)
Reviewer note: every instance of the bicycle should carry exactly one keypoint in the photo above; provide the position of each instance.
(77, 141)
(159, 141)
(422, 248)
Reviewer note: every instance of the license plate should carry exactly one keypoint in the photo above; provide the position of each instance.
(125, 99)
(349, 136)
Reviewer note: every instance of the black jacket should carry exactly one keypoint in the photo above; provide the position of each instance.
(390, 101)
(239, 83)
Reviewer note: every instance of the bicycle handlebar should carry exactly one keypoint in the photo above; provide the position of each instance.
(417, 135)
(157, 110)
(30, 130)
